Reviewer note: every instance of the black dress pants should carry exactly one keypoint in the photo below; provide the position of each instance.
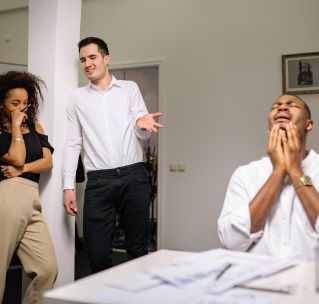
(126, 191)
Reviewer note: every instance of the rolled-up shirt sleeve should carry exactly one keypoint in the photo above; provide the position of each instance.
(234, 223)
(72, 147)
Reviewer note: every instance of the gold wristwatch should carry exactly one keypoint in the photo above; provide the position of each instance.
(303, 181)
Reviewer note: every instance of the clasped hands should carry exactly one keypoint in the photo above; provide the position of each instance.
(148, 123)
(285, 149)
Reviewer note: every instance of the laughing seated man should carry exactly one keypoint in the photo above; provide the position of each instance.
(272, 204)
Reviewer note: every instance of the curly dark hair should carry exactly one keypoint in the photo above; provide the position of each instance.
(22, 80)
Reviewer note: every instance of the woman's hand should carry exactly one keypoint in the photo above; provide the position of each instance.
(17, 118)
(10, 171)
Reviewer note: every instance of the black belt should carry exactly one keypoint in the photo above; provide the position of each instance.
(116, 171)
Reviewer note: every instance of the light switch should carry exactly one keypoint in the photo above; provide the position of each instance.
(173, 167)
(181, 167)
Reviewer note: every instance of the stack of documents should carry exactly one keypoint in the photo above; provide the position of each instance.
(200, 278)
(219, 270)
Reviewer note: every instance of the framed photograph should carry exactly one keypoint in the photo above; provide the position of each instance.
(300, 73)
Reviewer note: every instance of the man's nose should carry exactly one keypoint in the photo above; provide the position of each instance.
(283, 107)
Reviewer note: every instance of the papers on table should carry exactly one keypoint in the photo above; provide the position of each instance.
(135, 282)
(235, 296)
(199, 278)
(202, 271)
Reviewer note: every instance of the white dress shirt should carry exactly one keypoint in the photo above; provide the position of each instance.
(104, 122)
(287, 232)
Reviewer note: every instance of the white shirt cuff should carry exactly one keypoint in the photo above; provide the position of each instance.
(68, 183)
(240, 218)
(142, 134)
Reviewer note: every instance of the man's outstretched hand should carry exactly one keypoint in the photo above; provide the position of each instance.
(148, 123)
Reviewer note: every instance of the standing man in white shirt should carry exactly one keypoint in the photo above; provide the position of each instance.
(272, 205)
(108, 117)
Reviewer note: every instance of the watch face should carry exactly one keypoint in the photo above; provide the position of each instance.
(303, 181)
(306, 180)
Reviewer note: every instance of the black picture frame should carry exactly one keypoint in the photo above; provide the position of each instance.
(300, 73)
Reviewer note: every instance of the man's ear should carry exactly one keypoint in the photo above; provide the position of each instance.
(309, 125)
(107, 59)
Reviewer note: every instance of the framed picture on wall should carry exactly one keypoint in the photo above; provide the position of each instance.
(300, 73)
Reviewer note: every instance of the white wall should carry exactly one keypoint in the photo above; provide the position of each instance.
(53, 56)
(222, 69)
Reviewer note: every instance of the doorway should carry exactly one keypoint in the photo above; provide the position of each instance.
(147, 79)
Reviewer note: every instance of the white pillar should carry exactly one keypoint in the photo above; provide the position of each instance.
(54, 30)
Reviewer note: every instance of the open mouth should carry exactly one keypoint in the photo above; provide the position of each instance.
(282, 117)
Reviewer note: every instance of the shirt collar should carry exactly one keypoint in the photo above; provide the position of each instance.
(114, 82)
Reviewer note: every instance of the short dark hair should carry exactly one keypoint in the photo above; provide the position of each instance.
(21, 80)
(307, 109)
(102, 46)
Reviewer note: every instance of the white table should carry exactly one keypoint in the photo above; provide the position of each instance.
(80, 290)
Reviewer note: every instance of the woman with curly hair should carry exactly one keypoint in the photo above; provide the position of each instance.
(24, 153)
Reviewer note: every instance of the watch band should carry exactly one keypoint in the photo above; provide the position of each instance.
(303, 181)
